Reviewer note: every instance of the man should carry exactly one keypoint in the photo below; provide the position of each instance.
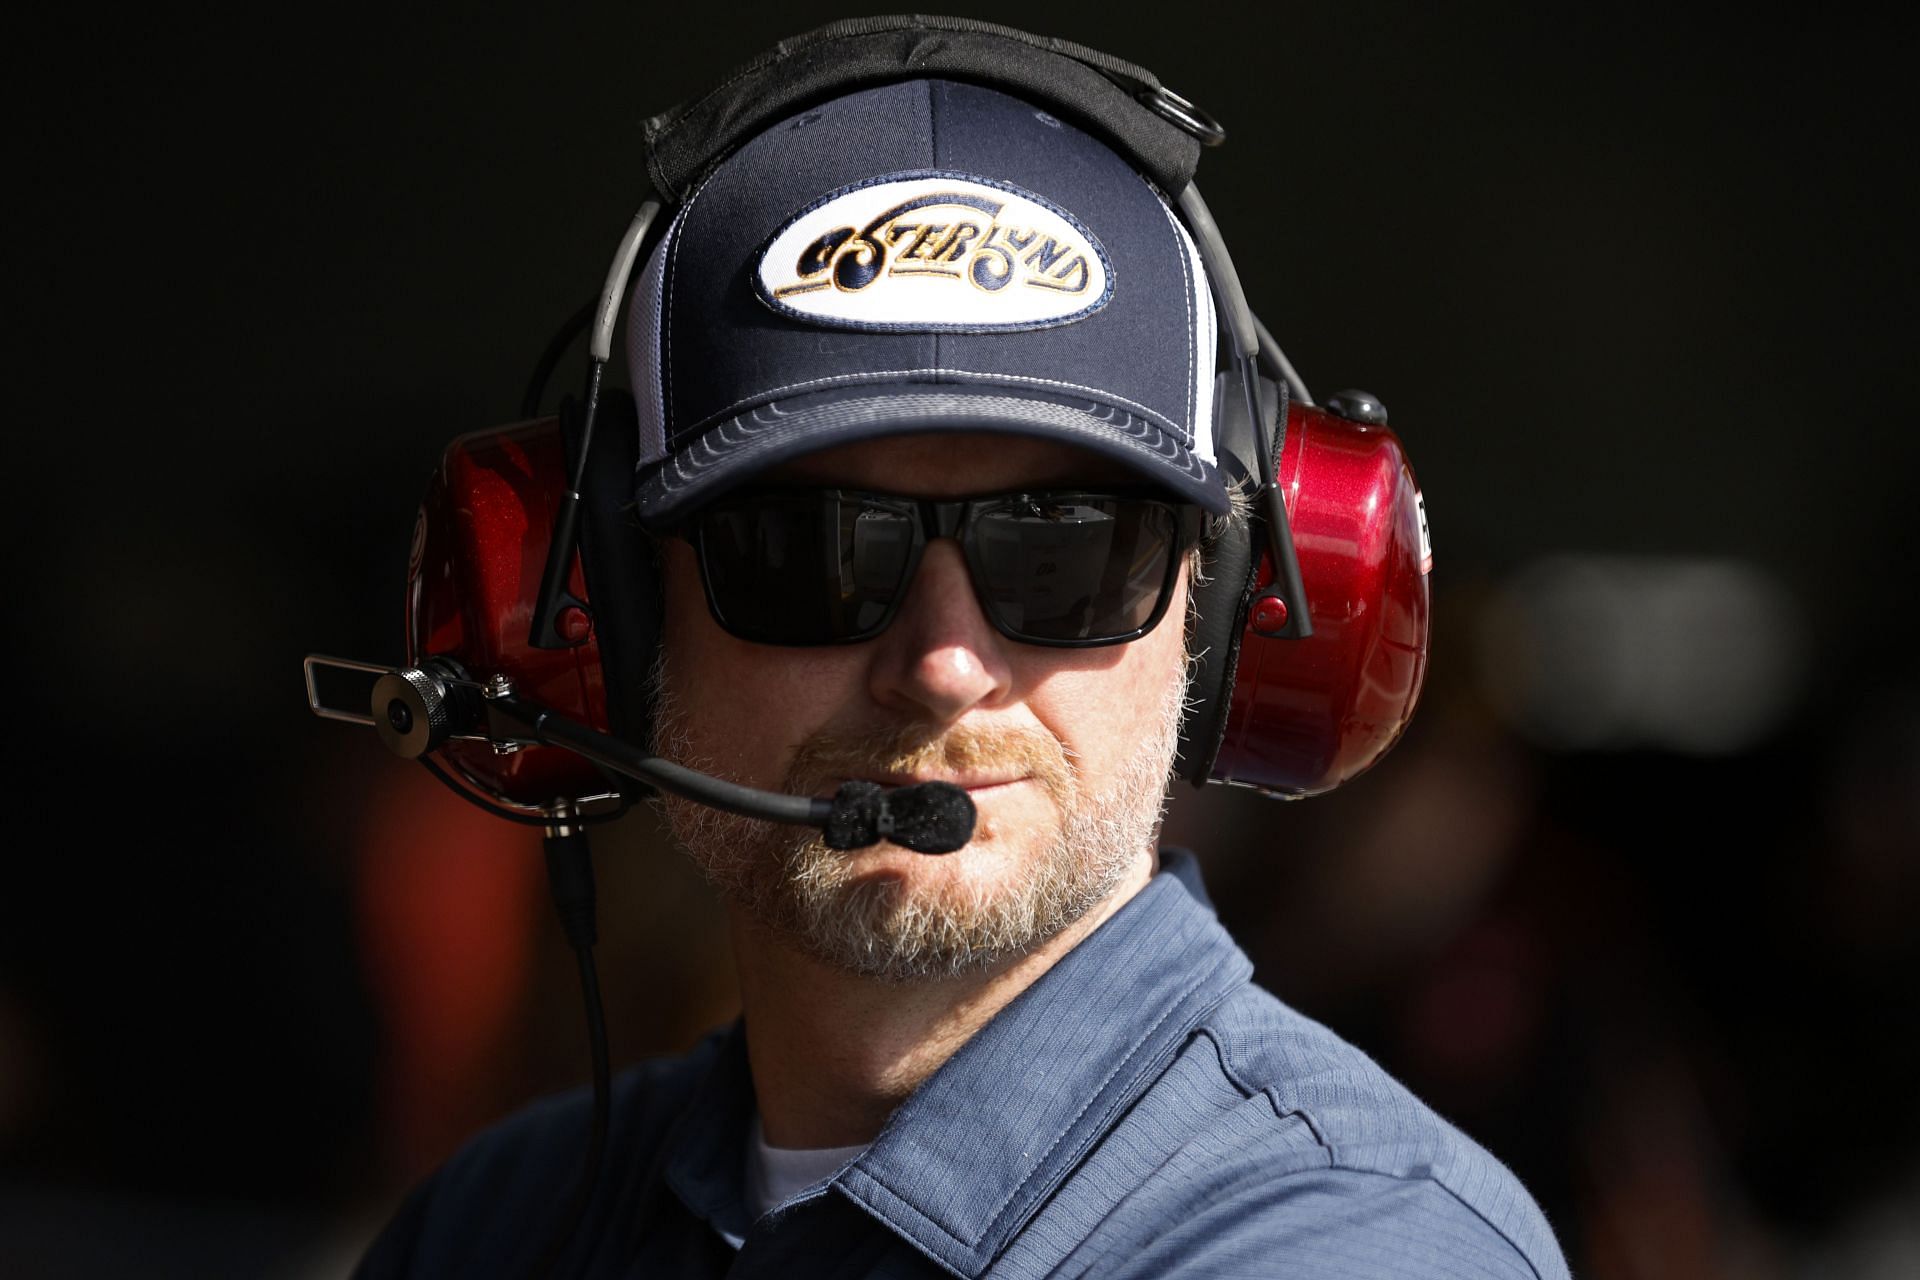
(924, 378)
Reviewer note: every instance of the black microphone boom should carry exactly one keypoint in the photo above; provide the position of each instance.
(927, 817)
(417, 710)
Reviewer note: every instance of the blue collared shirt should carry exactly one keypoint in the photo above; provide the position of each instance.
(1141, 1110)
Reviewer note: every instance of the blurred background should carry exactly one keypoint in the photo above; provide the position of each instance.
(1634, 903)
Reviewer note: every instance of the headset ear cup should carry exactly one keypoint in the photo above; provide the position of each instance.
(621, 567)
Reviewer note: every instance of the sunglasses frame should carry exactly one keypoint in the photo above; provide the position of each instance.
(952, 518)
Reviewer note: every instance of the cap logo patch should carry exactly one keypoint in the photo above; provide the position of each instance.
(934, 251)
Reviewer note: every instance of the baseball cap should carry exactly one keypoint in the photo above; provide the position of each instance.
(923, 256)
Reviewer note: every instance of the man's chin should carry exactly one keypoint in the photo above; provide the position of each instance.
(1043, 854)
(979, 876)
(893, 914)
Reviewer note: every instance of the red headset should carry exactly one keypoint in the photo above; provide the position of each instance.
(1308, 626)
(533, 609)
(1301, 715)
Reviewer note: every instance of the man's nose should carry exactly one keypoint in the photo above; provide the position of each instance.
(940, 657)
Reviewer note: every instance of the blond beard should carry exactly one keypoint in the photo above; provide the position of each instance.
(789, 880)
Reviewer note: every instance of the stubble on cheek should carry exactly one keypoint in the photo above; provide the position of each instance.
(1015, 888)
(766, 866)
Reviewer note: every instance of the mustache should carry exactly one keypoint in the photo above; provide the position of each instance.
(827, 759)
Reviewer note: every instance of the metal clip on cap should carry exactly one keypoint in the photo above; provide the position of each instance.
(1169, 105)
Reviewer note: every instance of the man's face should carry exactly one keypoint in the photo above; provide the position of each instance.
(1064, 752)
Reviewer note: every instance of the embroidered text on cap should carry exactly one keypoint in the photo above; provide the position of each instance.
(934, 251)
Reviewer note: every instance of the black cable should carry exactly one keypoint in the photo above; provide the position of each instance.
(1243, 335)
(574, 325)
(589, 1177)
(1275, 361)
(570, 876)
(565, 537)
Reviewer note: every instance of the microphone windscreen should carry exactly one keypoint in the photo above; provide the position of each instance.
(854, 822)
(930, 817)
(927, 817)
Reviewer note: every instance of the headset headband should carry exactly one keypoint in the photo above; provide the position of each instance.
(1155, 129)
(1122, 104)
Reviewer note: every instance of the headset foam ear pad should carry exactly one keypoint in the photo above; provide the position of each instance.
(618, 559)
(1219, 609)
(1229, 567)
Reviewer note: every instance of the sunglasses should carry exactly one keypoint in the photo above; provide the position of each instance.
(1066, 568)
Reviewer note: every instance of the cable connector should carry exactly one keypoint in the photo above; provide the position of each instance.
(570, 876)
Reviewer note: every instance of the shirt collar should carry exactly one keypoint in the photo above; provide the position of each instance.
(970, 1156)
(706, 1151)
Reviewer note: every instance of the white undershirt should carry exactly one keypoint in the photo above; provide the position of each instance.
(776, 1175)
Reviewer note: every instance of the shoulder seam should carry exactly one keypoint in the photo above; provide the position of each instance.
(1224, 1052)
(1446, 1190)
(1463, 1203)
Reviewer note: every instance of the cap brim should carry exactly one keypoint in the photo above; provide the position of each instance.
(735, 450)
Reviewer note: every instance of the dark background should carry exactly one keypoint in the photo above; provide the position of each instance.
(1636, 286)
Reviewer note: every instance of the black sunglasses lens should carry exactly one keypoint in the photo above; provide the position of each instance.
(799, 569)
(1073, 569)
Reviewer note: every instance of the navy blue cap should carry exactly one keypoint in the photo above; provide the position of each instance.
(919, 257)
